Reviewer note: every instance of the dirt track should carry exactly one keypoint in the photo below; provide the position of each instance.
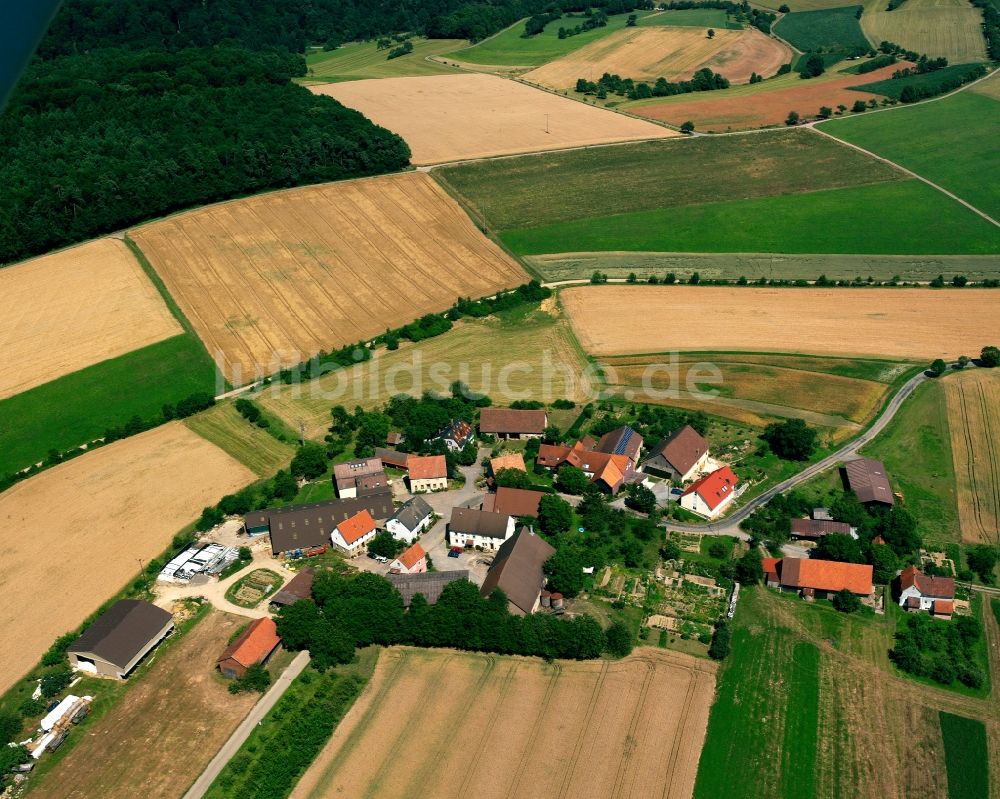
(458, 724)
(78, 531)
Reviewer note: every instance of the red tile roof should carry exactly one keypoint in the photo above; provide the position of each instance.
(826, 575)
(426, 467)
(943, 607)
(512, 461)
(714, 488)
(360, 524)
(770, 567)
(928, 586)
(412, 556)
(514, 501)
(254, 644)
(508, 421)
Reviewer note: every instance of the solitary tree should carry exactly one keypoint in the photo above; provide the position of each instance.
(937, 368)
(554, 515)
(687, 127)
(990, 357)
(719, 648)
(619, 639)
(711, 33)
(793, 118)
(791, 440)
(859, 106)
(825, 112)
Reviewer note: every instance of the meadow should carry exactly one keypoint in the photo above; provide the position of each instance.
(363, 60)
(949, 28)
(963, 123)
(932, 83)
(966, 756)
(829, 29)
(906, 217)
(79, 407)
(252, 446)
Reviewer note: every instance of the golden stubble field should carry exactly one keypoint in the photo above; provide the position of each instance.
(70, 309)
(455, 117)
(973, 400)
(271, 280)
(454, 724)
(894, 323)
(78, 531)
(645, 54)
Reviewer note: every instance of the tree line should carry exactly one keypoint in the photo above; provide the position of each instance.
(704, 80)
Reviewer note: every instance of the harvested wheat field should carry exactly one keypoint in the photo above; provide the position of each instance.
(78, 530)
(645, 54)
(973, 399)
(454, 117)
(949, 28)
(892, 323)
(157, 742)
(732, 110)
(270, 281)
(62, 312)
(456, 724)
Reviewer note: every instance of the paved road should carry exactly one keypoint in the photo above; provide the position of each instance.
(731, 524)
(238, 738)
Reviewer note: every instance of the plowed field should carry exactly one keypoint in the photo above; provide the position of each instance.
(62, 312)
(918, 323)
(454, 117)
(645, 54)
(448, 724)
(271, 280)
(78, 530)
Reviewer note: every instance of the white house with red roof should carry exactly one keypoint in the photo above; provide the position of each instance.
(712, 494)
(412, 560)
(353, 534)
(922, 592)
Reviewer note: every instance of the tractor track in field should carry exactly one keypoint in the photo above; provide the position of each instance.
(536, 728)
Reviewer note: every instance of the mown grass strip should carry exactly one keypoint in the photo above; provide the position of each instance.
(965, 755)
(798, 772)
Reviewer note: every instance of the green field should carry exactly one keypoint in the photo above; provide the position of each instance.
(252, 446)
(361, 60)
(79, 407)
(509, 49)
(830, 29)
(905, 217)
(893, 87)
(518, 192)
(691, 18)
(966, 755)
(963, 125)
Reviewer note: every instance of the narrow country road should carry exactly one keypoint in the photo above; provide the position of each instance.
(238, 738)
(731, 524)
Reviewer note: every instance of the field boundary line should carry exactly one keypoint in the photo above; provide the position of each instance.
(536, 728)
(991, 453)
(471, 768)
(581, 736)
(631, 738)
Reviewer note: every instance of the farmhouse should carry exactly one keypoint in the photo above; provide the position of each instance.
(410, 520)
(365, 475)
(866, 478)
(430, 584)
(820, 579)
(609, 471)
(517, 571)
(308, 526)
(477, 528)
(412, 560)
(681, 456)
(254, 646)
(427, 472)
(456, 435)
(511, 423)
(712, 494)
(390, 457)
(621, 441)
(120, 637)
(353, 533)
(813, 529)
(513, 461)
(920, 592)
(517, 502)
(298, 588)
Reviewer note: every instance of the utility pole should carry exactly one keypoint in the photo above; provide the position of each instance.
(546, 123)
(142, 572)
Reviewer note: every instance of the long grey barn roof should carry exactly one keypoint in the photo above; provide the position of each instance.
(122, 631)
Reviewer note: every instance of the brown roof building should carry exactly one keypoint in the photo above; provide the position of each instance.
(476, 528)
(298, 588)
(919, 591)
(513, 502)
(511, 423)
(430, 584)
(252, 647)
(622, 441)
(363, 474)
(513, 461)
(817, 528)
(390, 457)
(608, 470)
(517, 571)
(867, 479)
(120, 638)
(679, 456)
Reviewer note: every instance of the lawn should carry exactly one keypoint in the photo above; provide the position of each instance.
(964, 124)
(906, 217)
(966, 756)
(518, 192)
(893, 87)
(916, 450)
(362, 60)
(250, 445)
(81, 406)
(829, 29)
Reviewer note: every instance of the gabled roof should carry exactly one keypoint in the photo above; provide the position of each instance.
(770, 566)
(430, 584)
(515, 501)
(604, 466)
(412, 513)
(816, 528)
(303, 526)
(943, 587)
(299, 587)
(477, 522)
(622, 441)
(458, 431)
(714, 488)
(122, 631)
(254, 644)
(512, 461)
(357, 526)
(391, 457)
(412, 555)
(426, 467)
(681, 449)
(943, 607)
(517, 569)
(506, 421)
(360, 467)
(867, 479)
(826, 575)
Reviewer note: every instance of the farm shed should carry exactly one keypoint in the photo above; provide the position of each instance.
(430, 584)
(120, 637)
(712, 494)
(511, 423)
(476, 528)
(427, 472)
(390, 457)
(822, 578)
(410, 520)
(253, 646)
(817, 528)
(867, 479)
(517, 571)
(680, 456)
(299, 587)
(513, 501)
(366, 474)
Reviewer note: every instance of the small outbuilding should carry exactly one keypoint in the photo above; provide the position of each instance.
(298, 588)
(254, 646)
(120, 638)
